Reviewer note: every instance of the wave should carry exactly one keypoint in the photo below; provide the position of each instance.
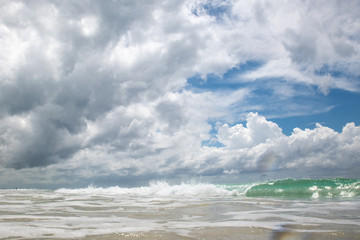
(287, 188)
(307, 188)
(159, 189)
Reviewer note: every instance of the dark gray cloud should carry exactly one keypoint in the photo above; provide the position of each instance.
(172, 114)
(64, 80)
(302, 47)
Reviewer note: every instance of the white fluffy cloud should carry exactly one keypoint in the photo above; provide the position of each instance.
(257, 131)
(91, 89)
(133, 152)
(261, 146)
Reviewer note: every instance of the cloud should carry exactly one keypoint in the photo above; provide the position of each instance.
(257, 131)
(101, 89)
(141, 151)
(261, 147)
(297, 39)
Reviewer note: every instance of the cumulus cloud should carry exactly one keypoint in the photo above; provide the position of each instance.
(261, 146)
(101, 89)
(257, 131)
(298, 43)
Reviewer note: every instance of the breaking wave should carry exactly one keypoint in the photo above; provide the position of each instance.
(159, 189)
(307, 188)
(287, 188)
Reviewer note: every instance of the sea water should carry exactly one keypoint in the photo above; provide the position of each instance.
(282, 209)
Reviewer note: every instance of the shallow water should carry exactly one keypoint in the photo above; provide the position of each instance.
(160, 211)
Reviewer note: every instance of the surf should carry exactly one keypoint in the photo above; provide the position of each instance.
(285, 188)
(307, 188)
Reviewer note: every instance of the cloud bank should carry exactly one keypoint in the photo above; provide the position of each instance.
(95, 91)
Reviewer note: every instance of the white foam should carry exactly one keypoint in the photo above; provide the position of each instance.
(75, 213)
(159, 188)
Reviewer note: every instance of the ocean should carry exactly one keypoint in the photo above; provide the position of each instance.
(281, 209)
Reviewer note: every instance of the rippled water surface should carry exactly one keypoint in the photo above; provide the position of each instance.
(160, 211)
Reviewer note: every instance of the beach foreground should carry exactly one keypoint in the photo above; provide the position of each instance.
(186, 211)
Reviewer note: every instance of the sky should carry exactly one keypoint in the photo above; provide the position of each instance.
(126, 92)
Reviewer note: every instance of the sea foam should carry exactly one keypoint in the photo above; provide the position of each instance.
(160, 189)
(186, 210)
(293, 188)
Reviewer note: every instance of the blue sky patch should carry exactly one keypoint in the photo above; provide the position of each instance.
(216, 9)
(288, 104)
(229, 80)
